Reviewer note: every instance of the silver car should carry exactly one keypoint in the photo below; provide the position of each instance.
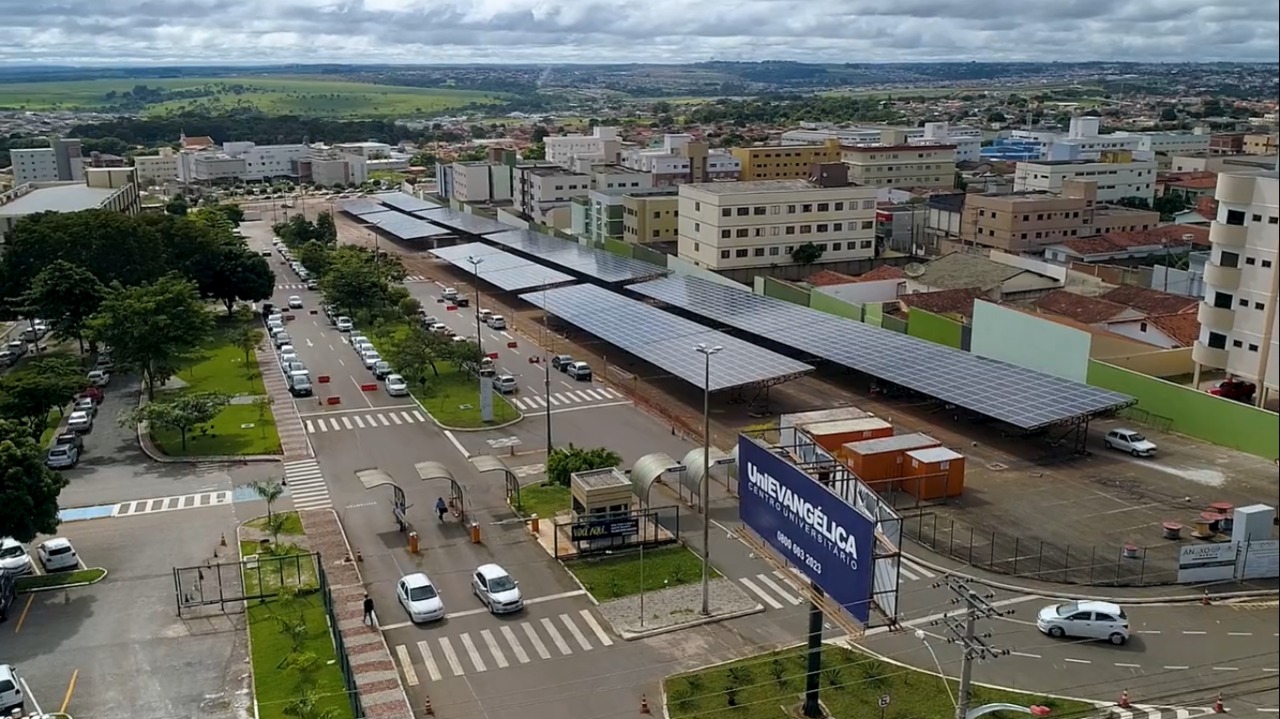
(63, 456)
(396, 386)
(495, 587)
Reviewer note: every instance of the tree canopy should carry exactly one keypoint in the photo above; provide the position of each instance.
(182, 413)
(565, 461)
(28, 489)
(28, 394)
(66, 295)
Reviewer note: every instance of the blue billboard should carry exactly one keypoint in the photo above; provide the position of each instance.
(812, 528)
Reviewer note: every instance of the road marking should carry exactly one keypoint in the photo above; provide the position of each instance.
(786, 596)
(1194, 634)
(311, 428)
(498, 657)
(472, 652)
(31, 698)
(516, 649)
(1226, 669)
(359, 422)
(71, 688)
(331, 412)
(23, 617)
(580, 407)
(555, 637)
(418, 416)
(1149, 631)
(1176, 668)
(396, 418)
(595, 627)
(917, 569)
(346, 422)
(536, 641)
(309, 344)
(1239, 634)
(760, 593)
(456, 444)
(577, 633)
(1025, 654)
(451, 657)
(333, 422)
(383, 419)
(902, 570)
(1076, 661)
(1128, 665)
(406, 666)
(555, 401)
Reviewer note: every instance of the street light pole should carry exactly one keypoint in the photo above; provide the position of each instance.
(546, 386)
(706, 352)
(475, 272)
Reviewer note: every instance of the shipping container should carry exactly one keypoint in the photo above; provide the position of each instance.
(880, 461)
(933, 473)
(831, 436)
(789, 423)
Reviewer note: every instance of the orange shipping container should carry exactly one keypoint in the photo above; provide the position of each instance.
(934, 473)
(876, 461)
(831, 436)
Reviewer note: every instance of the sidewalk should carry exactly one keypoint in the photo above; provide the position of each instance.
(293, 436)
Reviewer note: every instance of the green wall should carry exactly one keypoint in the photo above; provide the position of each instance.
(873, 314)
(780, 290)
(617, 247)
(648, 255)
(824, 302)
(1195, 414)
(934, 327)
(889, 322)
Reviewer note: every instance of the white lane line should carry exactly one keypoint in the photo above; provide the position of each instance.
(406, 665)
(1176, 668)
(536, 641)
(456, 444)
(786, 596)
(1025, 654)
(451, 657)
(1128, 665)
(433, 671)
(494, 649)
(1193, 633)
(596, 628)
(472, 652)
(760, 593)
(1239, 634)
(1148, 631)
(516, 648)
(359, 423)
(577, 633)
(1226, 669)
(555, 636)
(1076, 661)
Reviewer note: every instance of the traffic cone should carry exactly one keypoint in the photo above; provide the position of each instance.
(359, 556)
(1204, 600)
(644, 705)
(1217, 705)
(223, 542)
(427, 709)
(1124, 700)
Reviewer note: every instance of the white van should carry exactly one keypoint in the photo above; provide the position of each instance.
(10, 690)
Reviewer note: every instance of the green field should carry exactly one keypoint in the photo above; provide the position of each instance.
(272, 95)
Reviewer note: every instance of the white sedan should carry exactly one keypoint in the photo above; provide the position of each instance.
(396, 386)
(295, 302)
(57, 554)
(419, 598)
(1086, 620)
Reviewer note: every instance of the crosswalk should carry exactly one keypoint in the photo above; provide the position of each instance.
(371, 419)
(776, 590)
(568, 397)
(504, 646)
(306, 484)
(1140, 711)
(169, 504)
(292, 286)
(416, 278)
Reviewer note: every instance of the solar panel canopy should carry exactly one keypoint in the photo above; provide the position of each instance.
(665, 340)
(1022, 397)
(405, 202)
(404, 227)
(361, 206)
(501, 269)
(461, 221)
(601, 265)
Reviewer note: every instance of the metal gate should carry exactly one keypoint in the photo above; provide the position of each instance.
(225, 586)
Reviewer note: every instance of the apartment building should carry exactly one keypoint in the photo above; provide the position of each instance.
(738, 225)
(1226, 143)
(242, 161)
(476, 182)
(541, 192)
(651, 216)
(1260, 144)
(108, 188)
(967, 140)
(1118, 176)
(784, 162)
(617, 177)
(61, 161)
(682, 159)
(1169, 143)
(1207, 162)
(1239, 328)
(1027, 222)
(367, 150)
(601, 146)
(157, 169)
(900, 165)
(1082, 139)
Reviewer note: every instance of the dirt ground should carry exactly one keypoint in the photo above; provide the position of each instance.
(1028, 508)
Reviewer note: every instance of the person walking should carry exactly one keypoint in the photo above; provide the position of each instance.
(368, 609)
(441, 508)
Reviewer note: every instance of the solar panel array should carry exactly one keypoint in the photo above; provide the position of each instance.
(406, 203)
(501, 269)
(1022, 397)
(360, 207)
(461, 221)
(404, 227)
(663, 339)
(572, 256)
(371, 218)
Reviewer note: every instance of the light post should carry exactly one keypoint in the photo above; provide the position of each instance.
(706, 352)
(546, 388)
(475, 271)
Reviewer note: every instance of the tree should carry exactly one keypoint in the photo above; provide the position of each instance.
(240, 275)
(806, 254)
(1168, 114)
(269, 492)
(565, 461)
(67, 295)
(315, 257)
(413, 350)
(181, 413)
(28, 489)
(151, 327)
(352, 282)
(177, 206)
(409, 307)
(536, 151)
(246, 338)
(326, 231)
(26, 396)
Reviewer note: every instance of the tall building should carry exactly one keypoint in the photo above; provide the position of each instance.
(601, 146)
(240, 161)
(157, 169)
(1239, 328)
(61, 161)
(1118, 176)
(1028, 222)
(896, 164)
(539, 193)
(740, 225)
(682, 159)
(784, 162)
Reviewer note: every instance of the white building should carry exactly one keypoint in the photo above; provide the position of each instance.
(108, 188)
(737, 225)
(540, 192)
(62, 161)
(682, 159)
(367, 150)
(157, 169)
(1169, 143)
(244, 161)
(602, 146)
(1239, 327)
(331, 166)
(480, 182)
(968, 140)
(1116, 180)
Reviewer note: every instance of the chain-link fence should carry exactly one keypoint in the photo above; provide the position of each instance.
(344, 662)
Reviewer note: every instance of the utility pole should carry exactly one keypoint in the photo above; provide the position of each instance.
(963, 631)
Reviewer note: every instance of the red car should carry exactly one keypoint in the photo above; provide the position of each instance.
(93, 393)
(1237, 389)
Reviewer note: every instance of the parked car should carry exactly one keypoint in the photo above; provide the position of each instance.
(580, 371)
(11, 690)
(382, 369)
(281, 339)
(505, 384)
(287, 358)
(439, 327)
(57, 555)
(293, 366)
(295, 302)
(344, 324)
(62, 456)
(562, 362)
(1127, 440)
(299, 383)
(86, 405)
(370, 358)
(396, 386)
(1086, 620)
(449, 294)
(70, 438)
(485, 315)
(313, 284)
(495, 587)
(93, 393)
(13, 352)
(14, 558)
(1234, 388)
(419, 598)
(99, 377)
(80, 422)
(268, 309)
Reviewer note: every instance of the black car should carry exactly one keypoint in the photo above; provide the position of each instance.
(561, 362)
(267, 309)
(462, 301)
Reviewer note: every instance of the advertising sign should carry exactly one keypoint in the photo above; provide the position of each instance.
(811, 527)
(1259, 560)
(604, 528)
(1206, 562)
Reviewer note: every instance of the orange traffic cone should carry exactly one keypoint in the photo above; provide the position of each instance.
(1217, 705)
(427, 709)
(1124, 700)
(644, 705)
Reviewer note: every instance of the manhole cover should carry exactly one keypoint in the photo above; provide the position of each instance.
(996, 466)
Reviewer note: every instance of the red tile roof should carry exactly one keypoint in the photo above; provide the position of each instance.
(1089, 310)
(827, 278)
(1195, 183)
(883, 272)
(1207, 207)
(1182, 328)
(1095, 245)
(1151, 302)
(945, 302)
(1172, 235)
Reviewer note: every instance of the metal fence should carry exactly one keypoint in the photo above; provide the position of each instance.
(340, 648)
(1091, 564)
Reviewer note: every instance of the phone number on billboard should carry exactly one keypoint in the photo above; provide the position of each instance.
(802, 555)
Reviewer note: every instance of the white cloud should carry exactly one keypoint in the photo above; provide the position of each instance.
(604, 31)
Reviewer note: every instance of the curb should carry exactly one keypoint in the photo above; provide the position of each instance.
(248, 633)
(447, 428)
(56, 587)
(632, 636)
(143, 432)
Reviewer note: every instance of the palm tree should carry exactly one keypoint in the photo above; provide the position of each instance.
(269, 492)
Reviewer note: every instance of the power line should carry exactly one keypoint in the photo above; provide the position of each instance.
(964, 632)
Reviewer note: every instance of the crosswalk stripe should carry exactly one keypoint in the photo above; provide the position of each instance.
(311, 428)
(395, 418)
(498, 657)
(406, 666)
(383, 419)
(418, 416)
(346, 423)
(516, 649)
(517, 402)
(555, 637)
(760, 593)
(608, 393)
(554, 400)
(472, 652)
(536, 641)
(450, 656)
(917, 569)
(433, 671)
(904, 572)
(577, 633)
(786, 596)
(596, 628)
(540, 401)
(359, 423)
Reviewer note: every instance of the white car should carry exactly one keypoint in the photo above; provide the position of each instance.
(11, 691)
(57, 554)
(370, 357)
(499, 592)
(14, 558)
(1127, 440)
(396, 386)
(287, 358)
(1086, 620)
(505, 384)
(281, 339)
(344, 324)
(295, 302)
(80, 422)
(99, 377)
(419, 598)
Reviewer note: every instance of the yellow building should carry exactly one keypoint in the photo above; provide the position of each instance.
(1260, 144)
(651, 216)
(784, 162)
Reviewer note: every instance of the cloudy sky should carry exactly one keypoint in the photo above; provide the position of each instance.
(550, 31)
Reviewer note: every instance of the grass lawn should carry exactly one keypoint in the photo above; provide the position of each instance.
(620, 576)
(852, 684)
(292, 524)
(218, 366)
(225, 435)
(58, 579)
(453, 399)
(51, 423)
(544, 500)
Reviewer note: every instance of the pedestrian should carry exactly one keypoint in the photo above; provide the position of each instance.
(368, 609)
(441, 508)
